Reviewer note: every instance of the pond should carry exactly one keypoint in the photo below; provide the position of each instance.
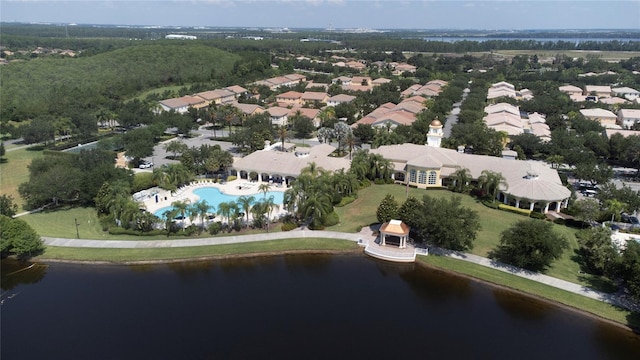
(288, 306)
(214, 197)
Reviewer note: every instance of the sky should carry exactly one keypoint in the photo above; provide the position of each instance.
(339, 14)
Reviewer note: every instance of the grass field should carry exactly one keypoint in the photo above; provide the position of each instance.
(583, 303)
(261, 247)
(362, 212)
(614, 56)
(14, 171)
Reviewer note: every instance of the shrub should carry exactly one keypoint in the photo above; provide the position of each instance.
(288, 226)
(346, 200)
(231, 178)
(332, 219)
(490, 204)
(115, 230)
(537, 215)
(142, 181)
(192, 229)
(215, 228)
(513, 209)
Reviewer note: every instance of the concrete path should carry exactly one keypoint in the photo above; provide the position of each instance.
(146, 244)
(612, 299)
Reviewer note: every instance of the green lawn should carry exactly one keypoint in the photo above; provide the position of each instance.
(159, 91)
(583, 303)
(261, 247)
(14, 172)
(362, 212)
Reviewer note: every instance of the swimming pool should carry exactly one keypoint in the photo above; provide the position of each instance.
(214, 196)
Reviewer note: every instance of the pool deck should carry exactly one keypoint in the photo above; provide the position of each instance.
(237, 187)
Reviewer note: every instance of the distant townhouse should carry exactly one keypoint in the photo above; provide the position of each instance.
(401, 68)
(605, 117)
(598, 90)
(613, 100)
(289, 98)
(505, 89)
(237, 90)
(626, 92)
(570, 90)
(393, 115)
(311, 97)
(431, 89)
(306, 112)
(625, 133)
(218, 96)
(356, 65)
(278, 115)
(509, 119)
(282, 81)
(340, 99)
(248, 109)
(627, 118)
(380, 81)
(182, 104)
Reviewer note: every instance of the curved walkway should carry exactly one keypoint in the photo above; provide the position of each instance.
(364, 236)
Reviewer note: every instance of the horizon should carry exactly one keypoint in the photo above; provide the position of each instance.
(417, 15)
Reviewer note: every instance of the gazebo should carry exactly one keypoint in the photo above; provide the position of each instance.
(395, 228)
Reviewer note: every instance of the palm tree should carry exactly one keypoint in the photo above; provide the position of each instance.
(350, 141)
(169, 215)
(202, 209)
(264, 188)
(269, 205)
(461, 178)
(224, 209)
(317, 206)
(492, 182)
(182, 207)
(245, 203)
(283, 133)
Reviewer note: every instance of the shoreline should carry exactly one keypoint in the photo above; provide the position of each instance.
(358, 252)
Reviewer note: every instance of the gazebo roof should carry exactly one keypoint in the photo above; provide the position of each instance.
(395, 227)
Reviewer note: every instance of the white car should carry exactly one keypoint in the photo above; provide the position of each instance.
(145, 165)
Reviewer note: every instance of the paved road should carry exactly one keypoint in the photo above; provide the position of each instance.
(365, 234)
(452, 118)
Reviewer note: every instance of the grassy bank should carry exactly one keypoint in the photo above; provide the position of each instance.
(576, 301)
(158, 254)
(362, 212)
(14, 171)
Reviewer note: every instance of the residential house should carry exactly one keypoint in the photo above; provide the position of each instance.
(306, 112)
(248, 109)
(357, 65)
(598, 90)
(626, 92)
(431, 89)
(570, 90)
(218, 96)
(182, 104)
(289, 98)
(340, 99)
(605, 117)
(380, 81)
(627, 118)
(278, 115)
(625, 133)
(237, 90)
(312, 97)
(392, 115)
(401, 68)
(510, 120)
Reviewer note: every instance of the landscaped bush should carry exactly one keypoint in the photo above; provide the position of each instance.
(346, 200)
(514, 209)
(114, 230)
(231, 177)
(288, 226)
(215, 228)
(332, 219)
(192, 230)
(491, 204)
(142, 181)
(537, 215)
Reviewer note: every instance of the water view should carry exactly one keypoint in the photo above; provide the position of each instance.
(286, 307)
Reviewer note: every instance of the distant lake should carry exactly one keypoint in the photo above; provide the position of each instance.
(297, 307)
(482, 39)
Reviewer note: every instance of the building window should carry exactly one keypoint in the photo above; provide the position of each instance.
(412, 175)
(432, 177)
(422, 177)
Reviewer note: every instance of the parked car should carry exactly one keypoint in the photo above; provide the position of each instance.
(145, 164)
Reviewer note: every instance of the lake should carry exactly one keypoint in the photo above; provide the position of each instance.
(288, 306)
